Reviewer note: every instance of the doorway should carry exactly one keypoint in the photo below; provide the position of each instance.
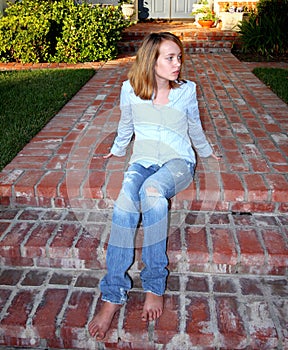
(165, 9)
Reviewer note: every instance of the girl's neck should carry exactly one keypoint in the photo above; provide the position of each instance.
(162, 92)
(162, 84)
(161, 98)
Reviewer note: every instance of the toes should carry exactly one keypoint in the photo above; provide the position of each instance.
(159, 313)
(153, 307)
(100, 336)
(97, 334)
(151, 315)
(93, 332)
(144, 316)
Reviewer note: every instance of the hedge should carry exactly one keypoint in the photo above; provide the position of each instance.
(265, 31)
(60, 31)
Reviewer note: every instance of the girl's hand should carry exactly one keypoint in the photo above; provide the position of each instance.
(109, 155)
(215, 157)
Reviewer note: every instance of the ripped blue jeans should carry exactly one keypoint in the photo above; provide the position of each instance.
(144, 191)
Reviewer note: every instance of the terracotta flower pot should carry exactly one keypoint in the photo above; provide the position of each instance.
(206, 23)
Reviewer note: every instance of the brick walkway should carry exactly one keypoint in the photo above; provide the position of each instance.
(245, 122)
(228, 242)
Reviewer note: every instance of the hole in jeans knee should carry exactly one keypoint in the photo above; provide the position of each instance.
(152, 191)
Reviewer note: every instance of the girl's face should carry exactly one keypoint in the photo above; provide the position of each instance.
(168, 64)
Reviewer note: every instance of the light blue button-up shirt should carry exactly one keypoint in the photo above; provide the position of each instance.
(161, 133)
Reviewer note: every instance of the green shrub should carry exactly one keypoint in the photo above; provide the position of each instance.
(60, 31)
(265, 31)
(24, 32)
(89, 35)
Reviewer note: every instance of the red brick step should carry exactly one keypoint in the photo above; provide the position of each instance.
(198, 241)
(50, 308)
(195, 40)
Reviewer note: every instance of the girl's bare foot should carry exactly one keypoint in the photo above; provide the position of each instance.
(100, 324)
(153, 307)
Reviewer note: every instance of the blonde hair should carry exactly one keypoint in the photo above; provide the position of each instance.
(142, 73)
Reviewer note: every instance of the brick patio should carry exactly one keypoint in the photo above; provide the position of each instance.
(228, 241)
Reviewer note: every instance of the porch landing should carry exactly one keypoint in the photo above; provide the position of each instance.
(194, 39)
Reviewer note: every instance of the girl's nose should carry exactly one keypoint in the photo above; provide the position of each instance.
(177, 61)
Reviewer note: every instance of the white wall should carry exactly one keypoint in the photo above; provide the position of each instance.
(3, 5)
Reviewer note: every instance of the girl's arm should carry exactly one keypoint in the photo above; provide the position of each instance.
(125, 127)
(195, 129)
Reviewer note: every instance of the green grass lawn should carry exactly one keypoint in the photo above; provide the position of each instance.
(29, 99)
(276, 79)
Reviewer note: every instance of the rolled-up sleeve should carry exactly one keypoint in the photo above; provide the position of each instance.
(195, 129)
(125, 127)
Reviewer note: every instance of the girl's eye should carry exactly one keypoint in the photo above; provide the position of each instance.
(171, 58)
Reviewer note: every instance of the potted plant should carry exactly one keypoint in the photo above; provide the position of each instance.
(127, 7)
(205, 16)
(199, 4)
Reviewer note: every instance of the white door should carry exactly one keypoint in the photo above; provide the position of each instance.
(166, 9)
(157, 8)
(181, 8)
